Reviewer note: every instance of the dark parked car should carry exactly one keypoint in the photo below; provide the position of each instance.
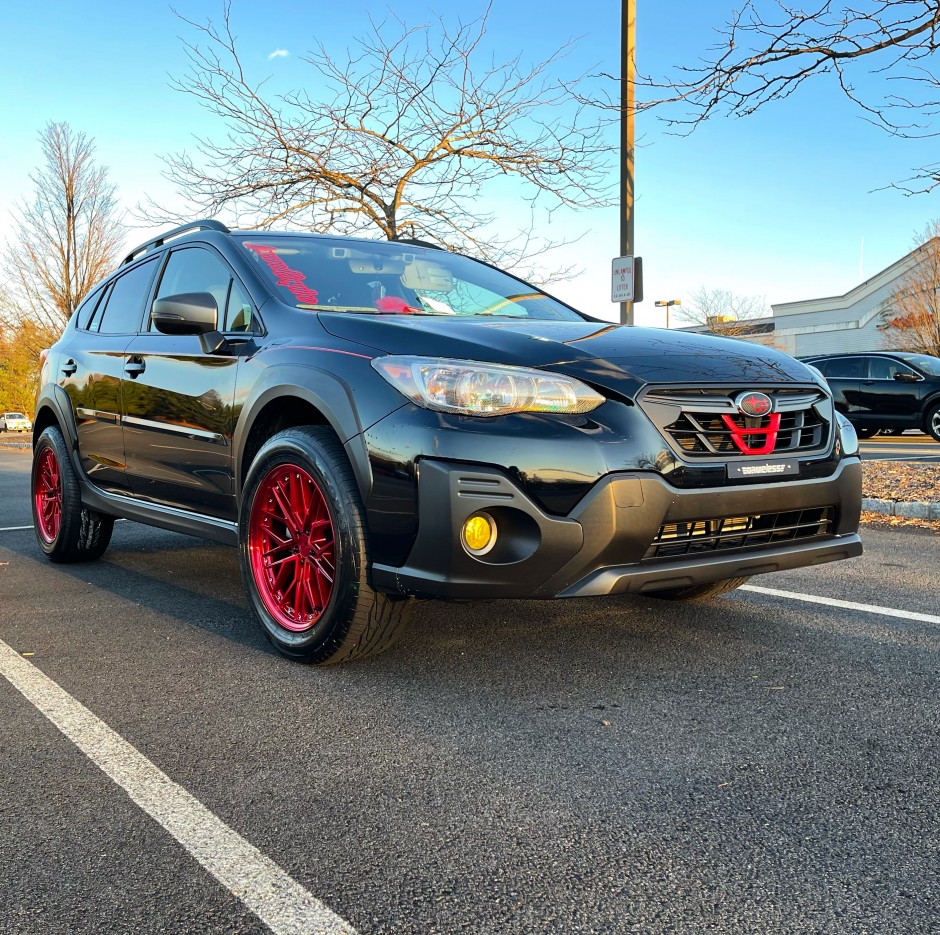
(884, 390)
(371, 421)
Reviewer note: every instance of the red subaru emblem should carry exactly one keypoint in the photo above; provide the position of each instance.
(754, 404)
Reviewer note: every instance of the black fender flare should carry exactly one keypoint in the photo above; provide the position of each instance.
(325, 392)
(55, 399)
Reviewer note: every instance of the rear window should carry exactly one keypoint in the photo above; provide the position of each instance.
(394, 278)
(845, 367)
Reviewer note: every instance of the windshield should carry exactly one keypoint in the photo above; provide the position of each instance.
(15, 415)
(923, 362)
(386, 278)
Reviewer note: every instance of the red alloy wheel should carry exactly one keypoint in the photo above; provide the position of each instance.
(291, 547)
(48, 495)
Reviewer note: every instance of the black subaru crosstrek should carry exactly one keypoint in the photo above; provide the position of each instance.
(374, 421)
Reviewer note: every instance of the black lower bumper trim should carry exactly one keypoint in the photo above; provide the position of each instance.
(680, 574)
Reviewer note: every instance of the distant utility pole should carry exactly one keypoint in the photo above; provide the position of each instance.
(627, 45)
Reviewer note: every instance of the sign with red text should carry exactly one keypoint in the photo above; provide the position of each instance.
(626, 279)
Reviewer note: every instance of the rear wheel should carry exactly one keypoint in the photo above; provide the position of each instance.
(304, 553)
(699, 592)
(932, 423)
(65, 530)
(866, 433)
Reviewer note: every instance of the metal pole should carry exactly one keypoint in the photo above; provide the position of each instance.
(627, 46)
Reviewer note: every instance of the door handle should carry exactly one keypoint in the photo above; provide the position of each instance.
(69, 367)
(135, 367)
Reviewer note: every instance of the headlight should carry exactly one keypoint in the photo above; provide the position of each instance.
(475, 388)
(848, 435)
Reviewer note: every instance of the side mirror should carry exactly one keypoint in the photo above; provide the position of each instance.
(903, 376)
(186, 313)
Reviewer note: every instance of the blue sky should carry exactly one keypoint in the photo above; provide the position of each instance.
(777, 205)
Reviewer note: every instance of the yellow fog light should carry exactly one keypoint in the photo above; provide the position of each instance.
(479, 534)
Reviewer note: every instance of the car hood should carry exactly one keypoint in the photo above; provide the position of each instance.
(616, 356)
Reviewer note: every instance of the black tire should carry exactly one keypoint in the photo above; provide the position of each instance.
(699, 592)
(932, 422)
(79, 534)
(866, 433)
(355, 620)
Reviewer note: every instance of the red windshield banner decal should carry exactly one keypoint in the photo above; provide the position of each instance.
(742, 437)
(290, 279)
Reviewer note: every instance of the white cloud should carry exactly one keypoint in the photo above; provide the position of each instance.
(278, 53)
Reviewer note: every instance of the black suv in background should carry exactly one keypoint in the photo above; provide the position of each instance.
(373, 421)
(884, 390)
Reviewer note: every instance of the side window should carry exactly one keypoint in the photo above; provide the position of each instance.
(95, 319)
(87, 308)
(238, 312)
(852, 368)
(879, 368)
(192, 269)
(883, 368)
(125, 305)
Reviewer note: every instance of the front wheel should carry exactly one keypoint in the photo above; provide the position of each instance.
(304, 553)
(866, 433)
(932, 423)
(699, 592)
(65, 530)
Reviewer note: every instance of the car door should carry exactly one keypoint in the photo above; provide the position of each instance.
(178, 399)
(843, 375)
(889, 393)
(91, 371)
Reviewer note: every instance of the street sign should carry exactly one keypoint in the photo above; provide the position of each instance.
(626, 279)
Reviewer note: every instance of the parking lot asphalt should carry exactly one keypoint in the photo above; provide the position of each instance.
(907, 447)
(760, 763)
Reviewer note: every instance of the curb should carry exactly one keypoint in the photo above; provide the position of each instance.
(909, 509)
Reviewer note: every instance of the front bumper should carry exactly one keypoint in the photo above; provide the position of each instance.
(602, 546)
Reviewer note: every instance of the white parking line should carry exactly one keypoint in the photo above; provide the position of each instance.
(846, 605)
(17, 528)
(278, 900)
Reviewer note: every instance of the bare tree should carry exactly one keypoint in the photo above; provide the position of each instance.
(66, 236)
(722, 312)
(913, 313)
(408, 129)
(769, 48)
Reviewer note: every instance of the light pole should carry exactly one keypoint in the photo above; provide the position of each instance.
(627, 44)
(667, 304)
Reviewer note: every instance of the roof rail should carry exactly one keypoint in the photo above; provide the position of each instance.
(208, 224)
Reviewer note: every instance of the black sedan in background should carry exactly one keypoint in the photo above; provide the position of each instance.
(884, 390)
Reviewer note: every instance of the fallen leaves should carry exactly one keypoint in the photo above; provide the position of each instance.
(901, 480)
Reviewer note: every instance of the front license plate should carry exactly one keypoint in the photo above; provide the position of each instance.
(763, 469)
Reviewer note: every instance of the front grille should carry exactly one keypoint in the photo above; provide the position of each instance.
(739, 533)
(702, 433)
(706, 423)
